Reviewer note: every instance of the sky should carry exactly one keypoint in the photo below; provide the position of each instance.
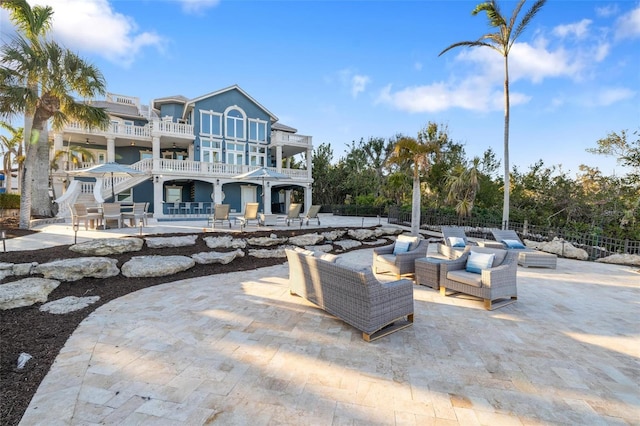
(342, 71)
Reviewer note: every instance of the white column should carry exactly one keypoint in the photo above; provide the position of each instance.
(287, 199)
(155, 153)
(307, 198)
(267, 198)
(278, 158)
(309, 163)
(158, 197)
(57, 147)
(111, 150)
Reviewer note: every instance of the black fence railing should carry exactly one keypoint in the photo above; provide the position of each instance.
(597, 246)
(355, 210)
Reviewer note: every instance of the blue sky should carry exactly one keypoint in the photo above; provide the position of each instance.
(344, 70)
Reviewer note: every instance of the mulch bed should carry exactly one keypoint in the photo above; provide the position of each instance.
(42, 334)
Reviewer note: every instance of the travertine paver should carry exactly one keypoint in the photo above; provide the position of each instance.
(239, 349)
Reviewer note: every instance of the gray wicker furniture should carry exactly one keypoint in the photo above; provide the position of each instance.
(353, 295)
(399, 264)
(447, 249)
(527, 257)
(496, 285)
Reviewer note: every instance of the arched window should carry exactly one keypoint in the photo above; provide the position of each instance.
(235, 121)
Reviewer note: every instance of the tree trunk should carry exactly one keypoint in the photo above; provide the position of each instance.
(26, 179)
(415, 207)
(507, 183)
(41, 200)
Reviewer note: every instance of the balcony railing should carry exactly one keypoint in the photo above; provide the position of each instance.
(290, 138)
(156, 127)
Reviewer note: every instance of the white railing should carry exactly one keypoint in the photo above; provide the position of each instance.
(283, 137)
(118, 129)
(171, 128)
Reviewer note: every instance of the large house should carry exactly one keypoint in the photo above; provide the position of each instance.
(188, 154)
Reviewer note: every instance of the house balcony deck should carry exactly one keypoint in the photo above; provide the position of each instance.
(155, 128)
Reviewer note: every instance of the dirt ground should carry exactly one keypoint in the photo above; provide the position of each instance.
(42, 334)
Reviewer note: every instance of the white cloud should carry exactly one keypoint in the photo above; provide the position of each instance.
(607, 11)
(197, 6)
(358, 84)
(609, 96)
(93, 26)
(418, 66)
(628, 25)
(578, 29)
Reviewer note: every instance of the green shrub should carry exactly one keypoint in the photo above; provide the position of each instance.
(9, 201)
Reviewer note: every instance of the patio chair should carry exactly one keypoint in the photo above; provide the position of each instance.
(527, 257)
(250, 213)
(312, 214)
(293, 214)
(138, 214)
(79, 212)
(111, 212)
(487, 273)
(220, 214)
(455, 241)
(399, 257)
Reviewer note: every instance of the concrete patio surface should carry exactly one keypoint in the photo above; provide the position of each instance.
(238, 349)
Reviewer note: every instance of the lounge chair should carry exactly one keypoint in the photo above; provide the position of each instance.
(527, 257)
(293, 214)
(312, 214)
(250, 213)
(488, 273)
(399, 257)
(220, 214)
(455, 241)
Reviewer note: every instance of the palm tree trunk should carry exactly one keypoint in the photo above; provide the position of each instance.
(41, 200)
(26, 180)
(507, 184)
(415, 206)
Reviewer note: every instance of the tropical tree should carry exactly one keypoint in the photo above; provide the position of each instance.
(38, 78)
(463, 183)
(507, 32)
(419, 153)
(11, 149)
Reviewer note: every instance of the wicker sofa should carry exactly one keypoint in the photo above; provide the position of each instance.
(352, 294)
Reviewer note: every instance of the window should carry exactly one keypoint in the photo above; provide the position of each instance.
(210, 151)
(125, 196)
(235, 153)
(210, 123)
(102, 158)
(173, 194)
(257, 155)
(257, 130)
(235, 124)
(146, 154)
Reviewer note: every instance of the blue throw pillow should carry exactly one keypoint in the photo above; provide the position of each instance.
(479, 261)
(513, 244)
(456, 242)
(401, 247)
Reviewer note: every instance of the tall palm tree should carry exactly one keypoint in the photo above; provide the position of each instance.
(507, 32)
(11, 148)
(418, 152)
(58, 73)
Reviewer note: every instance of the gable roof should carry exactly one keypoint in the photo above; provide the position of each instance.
(284, 128)
(192, 102)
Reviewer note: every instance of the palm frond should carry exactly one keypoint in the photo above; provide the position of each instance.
(531, 13)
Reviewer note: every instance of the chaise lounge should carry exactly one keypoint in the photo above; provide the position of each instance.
(527, 257)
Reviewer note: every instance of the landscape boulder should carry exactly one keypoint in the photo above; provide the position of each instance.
(334, 235)
(208, 257)
(266, 241)
(107, 246)
(156, 266)
(225, 241)
(68, 304)
(560, 247)
(26, 292)
(77, 268)
(361, 234)
(621, 259)
(163, 242)
(306, 240)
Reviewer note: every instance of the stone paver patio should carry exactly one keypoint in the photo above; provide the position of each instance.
(239, 349)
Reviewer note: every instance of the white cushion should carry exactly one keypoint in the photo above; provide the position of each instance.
(476, 262)
(401, 247)
(456, 242)
(413, 241)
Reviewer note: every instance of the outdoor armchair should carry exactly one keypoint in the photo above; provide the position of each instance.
(494, 282)
(79, 212)
(139, 213)
(111, 212)
(399, 257)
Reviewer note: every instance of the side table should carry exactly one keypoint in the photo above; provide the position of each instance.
(428, 271)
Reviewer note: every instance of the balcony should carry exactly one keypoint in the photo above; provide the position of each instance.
(155, 128)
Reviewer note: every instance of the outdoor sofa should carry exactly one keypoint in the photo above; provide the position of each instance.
(350, 293)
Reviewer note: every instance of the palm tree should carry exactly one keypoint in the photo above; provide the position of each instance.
(501, 41)
(11, 147)
(418, 152)
(58, 73)
(463, 184)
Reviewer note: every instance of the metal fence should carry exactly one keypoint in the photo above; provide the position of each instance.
(597, 246)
